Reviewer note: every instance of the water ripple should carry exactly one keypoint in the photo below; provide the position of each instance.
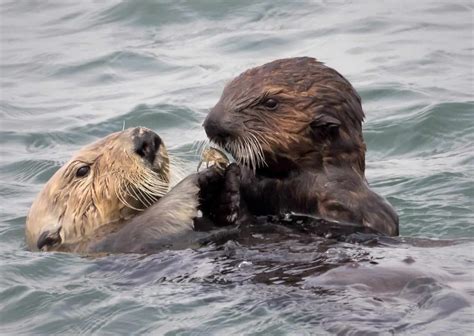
(73, 72)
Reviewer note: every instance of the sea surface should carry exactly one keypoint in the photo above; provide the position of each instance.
(74, 71)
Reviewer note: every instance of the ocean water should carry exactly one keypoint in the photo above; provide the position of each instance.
(74, 71)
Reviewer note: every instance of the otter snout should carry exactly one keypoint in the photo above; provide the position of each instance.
(217, 128)
(48, 239)
(146, 143)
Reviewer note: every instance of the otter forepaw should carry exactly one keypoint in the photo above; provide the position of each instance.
(220, 194)
(210, 178)
(229, 204)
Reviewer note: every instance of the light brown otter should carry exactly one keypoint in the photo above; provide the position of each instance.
(113, 197)
(295, 127)
(98, 191)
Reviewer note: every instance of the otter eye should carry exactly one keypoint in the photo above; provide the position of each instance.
(270, 104)
(83, 171)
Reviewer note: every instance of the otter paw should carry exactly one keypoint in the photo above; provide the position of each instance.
(211, 183)
(210, 180)
(220, 194)
(228, 206)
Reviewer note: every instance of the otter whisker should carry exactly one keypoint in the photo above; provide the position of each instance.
(255, 150)
(247, 150)
(245, 153)
(176, 170)
(153, 191)
(145, 187)
(123, 199)
(240, 153)
(201, 145)
(154, 183)
(122, 196)
(148, 193)
(250, 153)
(141, 198)
(136, 191)
(152, 186)
(259, 149)
(145, 198)
(131, 192)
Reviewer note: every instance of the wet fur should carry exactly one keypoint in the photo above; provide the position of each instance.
(119, 185)
(123, 204)
(308, 154)
(163, 225)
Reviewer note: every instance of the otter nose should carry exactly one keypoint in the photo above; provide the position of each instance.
(48, 238)
(215, 129)
(146, 144)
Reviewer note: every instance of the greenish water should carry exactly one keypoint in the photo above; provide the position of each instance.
(74, 71)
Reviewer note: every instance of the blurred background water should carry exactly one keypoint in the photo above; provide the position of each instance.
(74, 71)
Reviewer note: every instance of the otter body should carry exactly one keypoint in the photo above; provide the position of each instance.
(167, 224)
(339, 196)
(113, 197)
(295, 127)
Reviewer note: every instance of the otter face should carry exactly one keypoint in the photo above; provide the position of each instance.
(106, 182)
(285, 115)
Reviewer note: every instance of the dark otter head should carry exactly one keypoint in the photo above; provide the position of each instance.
(290, 114)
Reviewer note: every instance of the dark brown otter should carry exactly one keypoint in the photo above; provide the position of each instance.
(295, 127)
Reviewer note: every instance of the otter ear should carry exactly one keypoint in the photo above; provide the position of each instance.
(326, 122)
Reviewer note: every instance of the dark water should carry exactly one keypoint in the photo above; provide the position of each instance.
(74, 71)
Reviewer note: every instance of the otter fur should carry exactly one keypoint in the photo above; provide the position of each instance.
(294, 126)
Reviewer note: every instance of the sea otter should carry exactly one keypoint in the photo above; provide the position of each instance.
(113, 197)
(295, 128)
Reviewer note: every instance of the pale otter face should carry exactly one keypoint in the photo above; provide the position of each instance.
(284, 114)
(104, 183)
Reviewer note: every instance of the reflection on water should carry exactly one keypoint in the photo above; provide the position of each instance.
(73, 72)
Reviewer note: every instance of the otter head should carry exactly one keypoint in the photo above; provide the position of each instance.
(289, 114)
(104, 183)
